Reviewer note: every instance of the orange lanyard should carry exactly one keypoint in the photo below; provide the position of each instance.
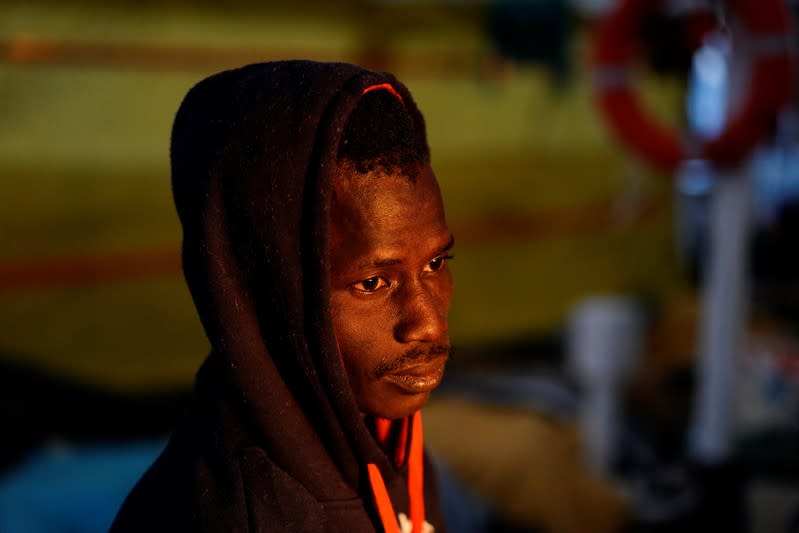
(415, 484)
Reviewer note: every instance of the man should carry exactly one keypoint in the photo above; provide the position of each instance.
(315, 248)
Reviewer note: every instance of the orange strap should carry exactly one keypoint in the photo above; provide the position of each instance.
(415, 484)
(393, 437)
(387, 87)
(382, 430)
(384, 507)
(416, 474)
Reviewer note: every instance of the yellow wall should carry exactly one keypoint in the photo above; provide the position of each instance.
(545, 207)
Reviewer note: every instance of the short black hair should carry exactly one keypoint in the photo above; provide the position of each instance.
(381, 135)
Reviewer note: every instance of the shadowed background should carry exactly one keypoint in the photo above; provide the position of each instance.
(99, 340)
(543, 206)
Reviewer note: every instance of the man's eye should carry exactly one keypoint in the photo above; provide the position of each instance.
(370, 284)
(436, 264)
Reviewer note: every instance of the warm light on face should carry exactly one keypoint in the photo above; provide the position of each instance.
(390, 288)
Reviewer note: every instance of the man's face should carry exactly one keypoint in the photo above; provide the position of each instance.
(391, 288)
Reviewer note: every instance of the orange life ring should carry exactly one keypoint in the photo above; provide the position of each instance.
(767, 22)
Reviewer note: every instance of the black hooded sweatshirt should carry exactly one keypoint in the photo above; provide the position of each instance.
(273, 439)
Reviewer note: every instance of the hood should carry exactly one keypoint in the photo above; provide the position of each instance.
(253, 151)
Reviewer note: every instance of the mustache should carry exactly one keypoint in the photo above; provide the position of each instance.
(414, 356)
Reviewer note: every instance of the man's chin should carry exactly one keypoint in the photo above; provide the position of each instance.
(397, 405)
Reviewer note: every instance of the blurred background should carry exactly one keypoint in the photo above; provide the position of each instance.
(581, 310)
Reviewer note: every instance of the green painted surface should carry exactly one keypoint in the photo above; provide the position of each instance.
(84, 163)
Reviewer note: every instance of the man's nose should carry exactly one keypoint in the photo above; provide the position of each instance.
(422, 316)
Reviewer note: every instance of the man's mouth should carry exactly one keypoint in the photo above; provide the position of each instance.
(418, 377)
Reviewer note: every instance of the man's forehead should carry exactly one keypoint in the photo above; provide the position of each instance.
(383, 196)
(383, 217)
(347, 179)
